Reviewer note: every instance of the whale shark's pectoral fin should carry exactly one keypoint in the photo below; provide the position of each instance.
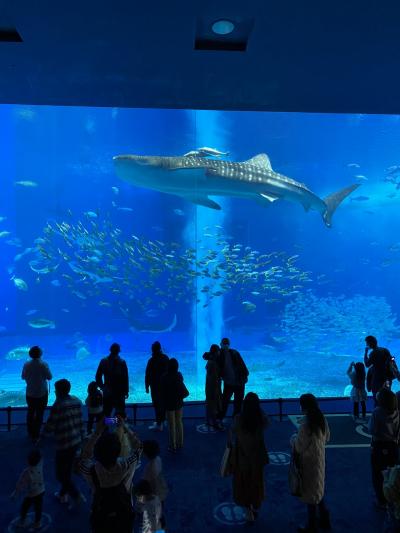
(202, 200)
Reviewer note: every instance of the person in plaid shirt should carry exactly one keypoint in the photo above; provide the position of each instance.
(66, 423)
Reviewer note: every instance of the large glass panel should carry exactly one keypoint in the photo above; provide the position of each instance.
(96, 250)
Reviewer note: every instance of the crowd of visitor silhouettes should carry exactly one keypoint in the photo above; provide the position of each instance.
(108, 456)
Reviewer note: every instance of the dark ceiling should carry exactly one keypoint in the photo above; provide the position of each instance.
(325, 56)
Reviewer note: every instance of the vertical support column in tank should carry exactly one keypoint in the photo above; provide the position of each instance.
(207, 314)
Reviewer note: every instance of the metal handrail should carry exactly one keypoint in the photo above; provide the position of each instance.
(136, 406)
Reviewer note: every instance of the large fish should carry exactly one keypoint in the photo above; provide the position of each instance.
(196, 178)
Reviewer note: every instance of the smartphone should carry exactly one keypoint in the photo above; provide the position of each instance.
(111, 420)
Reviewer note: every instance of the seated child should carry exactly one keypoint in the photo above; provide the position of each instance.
(31, 482)
(94, 402)
(149, 505)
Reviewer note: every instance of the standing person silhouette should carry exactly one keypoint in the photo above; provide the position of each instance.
(113, 379)
(234, 374)
(156, 367)
(377, 358)
(36, 373)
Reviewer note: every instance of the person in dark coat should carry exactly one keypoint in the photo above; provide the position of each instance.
(112, 378)
(156, 367)
(173, 392)
(234, 374)
(377, 358)
(384, 426)
(249, 456)
(213, 387)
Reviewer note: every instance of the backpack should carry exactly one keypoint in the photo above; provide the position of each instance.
(392, 371)
(112, 509)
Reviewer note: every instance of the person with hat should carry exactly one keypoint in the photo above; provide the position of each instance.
(113, 379)
(36, 373)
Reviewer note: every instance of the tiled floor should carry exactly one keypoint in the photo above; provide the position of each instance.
(200, 500)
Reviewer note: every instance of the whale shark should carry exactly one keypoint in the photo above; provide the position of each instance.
(197, 178)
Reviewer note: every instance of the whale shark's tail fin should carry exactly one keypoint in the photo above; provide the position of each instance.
(333, 200)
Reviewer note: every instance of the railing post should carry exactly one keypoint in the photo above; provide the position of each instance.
(280, 403)
(9, 418)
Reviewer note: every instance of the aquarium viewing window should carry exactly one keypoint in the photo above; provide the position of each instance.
(277, 230)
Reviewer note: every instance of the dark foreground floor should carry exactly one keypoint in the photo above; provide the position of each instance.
(200, 500)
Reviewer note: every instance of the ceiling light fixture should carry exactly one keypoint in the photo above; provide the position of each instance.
(223, 27)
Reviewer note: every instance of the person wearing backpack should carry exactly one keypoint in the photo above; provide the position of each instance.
(112, 378)
(234, 374)
(379, 359)
(110, 477)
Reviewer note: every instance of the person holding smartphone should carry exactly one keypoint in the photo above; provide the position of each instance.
(110, 475)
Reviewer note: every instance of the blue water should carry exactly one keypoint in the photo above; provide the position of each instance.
(297, 298)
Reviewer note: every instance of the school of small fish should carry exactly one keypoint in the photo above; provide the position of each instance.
(94, 259)
(99, 261)
(335, 323)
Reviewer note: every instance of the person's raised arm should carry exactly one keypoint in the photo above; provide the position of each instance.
(368, 359)
(85, 464)
(99, 375)
(23, 373)
(88, 447)
(301, 440)
(134, 440)
(147, 376)
(47, 372)
(125, 377)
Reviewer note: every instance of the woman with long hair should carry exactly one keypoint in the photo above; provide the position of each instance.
(249, 456)
(356, 373)
(309, 445)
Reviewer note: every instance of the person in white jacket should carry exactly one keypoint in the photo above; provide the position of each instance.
(31, 483)
(149, 505)
(309, 445)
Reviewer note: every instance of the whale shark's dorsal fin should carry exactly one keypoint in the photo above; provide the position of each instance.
(260, 160)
